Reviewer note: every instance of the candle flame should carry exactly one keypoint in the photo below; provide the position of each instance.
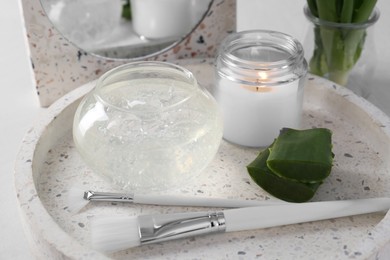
(262, 75)
(257, 88)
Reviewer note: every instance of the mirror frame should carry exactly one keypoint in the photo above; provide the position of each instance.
(59, 66)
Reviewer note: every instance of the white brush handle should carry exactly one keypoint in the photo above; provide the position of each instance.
(201, 202)
(279, 215)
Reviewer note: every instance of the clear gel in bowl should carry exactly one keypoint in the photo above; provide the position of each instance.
(148, 126)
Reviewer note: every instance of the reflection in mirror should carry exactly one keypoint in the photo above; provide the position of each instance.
(125, 28)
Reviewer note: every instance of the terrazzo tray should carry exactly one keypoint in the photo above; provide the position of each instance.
(48, 165)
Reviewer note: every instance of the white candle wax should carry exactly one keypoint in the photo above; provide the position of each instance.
(161, 19)
(254, 117)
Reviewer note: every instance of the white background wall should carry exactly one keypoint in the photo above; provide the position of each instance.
(287, 16)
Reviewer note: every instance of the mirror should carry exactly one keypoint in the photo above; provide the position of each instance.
(60, 65)
(125, 29)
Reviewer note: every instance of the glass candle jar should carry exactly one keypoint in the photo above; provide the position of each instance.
(148, 126)
(259, 86)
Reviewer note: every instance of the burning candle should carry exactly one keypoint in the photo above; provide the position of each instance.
(259, 86)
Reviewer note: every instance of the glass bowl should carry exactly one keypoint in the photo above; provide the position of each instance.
(148, 126)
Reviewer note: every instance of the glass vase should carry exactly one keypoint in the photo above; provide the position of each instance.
(342, 52)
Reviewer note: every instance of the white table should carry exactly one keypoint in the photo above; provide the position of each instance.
(19, 108)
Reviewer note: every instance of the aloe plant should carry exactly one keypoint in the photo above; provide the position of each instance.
(126, 10)
(337, 49)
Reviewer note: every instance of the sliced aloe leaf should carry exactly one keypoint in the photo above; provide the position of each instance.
(302, 155)
(282, 188)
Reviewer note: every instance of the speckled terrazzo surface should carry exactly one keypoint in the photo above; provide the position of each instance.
(49, 165)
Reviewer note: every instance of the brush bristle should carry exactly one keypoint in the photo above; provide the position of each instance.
(110, 234)
(76, 200)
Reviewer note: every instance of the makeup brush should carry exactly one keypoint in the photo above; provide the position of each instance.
(118, 233)
(79, 198)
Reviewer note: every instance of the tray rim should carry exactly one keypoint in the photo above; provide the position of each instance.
(33, 212)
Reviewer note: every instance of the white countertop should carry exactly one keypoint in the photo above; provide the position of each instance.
(20, 107)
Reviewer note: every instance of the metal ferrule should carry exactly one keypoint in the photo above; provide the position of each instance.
(106, 196)
(158, 228)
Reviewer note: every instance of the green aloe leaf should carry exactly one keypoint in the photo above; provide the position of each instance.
(302, 155)
(277, 186)
(347, 11)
